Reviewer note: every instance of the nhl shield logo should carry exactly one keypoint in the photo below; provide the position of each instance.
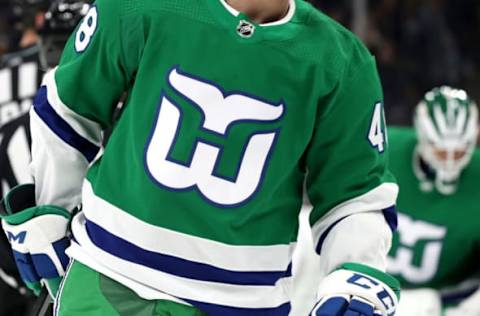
(245, 29)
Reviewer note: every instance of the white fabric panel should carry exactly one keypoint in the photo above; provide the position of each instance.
(58, 168)
(306, 267)
(379, 198)
(362, 238)
(203, 291)
(469, 307)
(420, 302)
(146, 236)
(86, 128)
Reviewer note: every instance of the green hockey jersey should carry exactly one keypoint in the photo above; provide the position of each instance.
(438, 240)
(198, 191)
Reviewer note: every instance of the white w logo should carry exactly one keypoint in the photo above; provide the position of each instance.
(417, 236)
(219, 113)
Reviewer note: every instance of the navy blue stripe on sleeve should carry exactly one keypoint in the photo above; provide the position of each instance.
(391, 217)
(61, 128)
(322, 238)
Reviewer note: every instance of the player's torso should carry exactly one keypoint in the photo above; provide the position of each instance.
(438, 240)
(217, 123)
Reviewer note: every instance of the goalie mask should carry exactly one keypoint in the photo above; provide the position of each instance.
(446, 122)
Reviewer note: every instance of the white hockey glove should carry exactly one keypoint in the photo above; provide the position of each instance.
(357, 290)
(38, 236)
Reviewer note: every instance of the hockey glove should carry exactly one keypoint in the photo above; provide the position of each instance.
(38, 237)
(357, 290)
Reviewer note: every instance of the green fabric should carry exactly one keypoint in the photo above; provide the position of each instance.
(87, 292)
(389, 280)
(54, 284)
(321, 73)
(438, 241)
(36, 287)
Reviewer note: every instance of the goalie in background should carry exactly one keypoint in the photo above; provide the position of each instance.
(436, 250)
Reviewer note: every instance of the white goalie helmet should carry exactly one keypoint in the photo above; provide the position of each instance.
(446, 122)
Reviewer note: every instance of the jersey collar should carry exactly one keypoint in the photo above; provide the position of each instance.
(285, 19)
(233, 20)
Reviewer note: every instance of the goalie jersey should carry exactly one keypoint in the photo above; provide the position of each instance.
(438, 239)
(198, 191)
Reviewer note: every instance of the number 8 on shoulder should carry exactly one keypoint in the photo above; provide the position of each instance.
(86, 30)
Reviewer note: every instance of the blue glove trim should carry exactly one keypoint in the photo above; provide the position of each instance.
(35, 267)
(335, 306)
(361, 307)
(26, 267)
(389, 280)
(60, 247)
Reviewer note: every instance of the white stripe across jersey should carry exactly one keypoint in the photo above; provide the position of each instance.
(191, 248)
(379, 198)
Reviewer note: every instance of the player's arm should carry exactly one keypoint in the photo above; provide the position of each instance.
(353, 195)
(74, 104)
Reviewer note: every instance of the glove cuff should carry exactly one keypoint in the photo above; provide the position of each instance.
(19, 206)
(386, 278)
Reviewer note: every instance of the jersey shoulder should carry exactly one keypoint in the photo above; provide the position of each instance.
(337, 45)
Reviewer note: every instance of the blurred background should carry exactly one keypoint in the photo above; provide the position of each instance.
(418, 44)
